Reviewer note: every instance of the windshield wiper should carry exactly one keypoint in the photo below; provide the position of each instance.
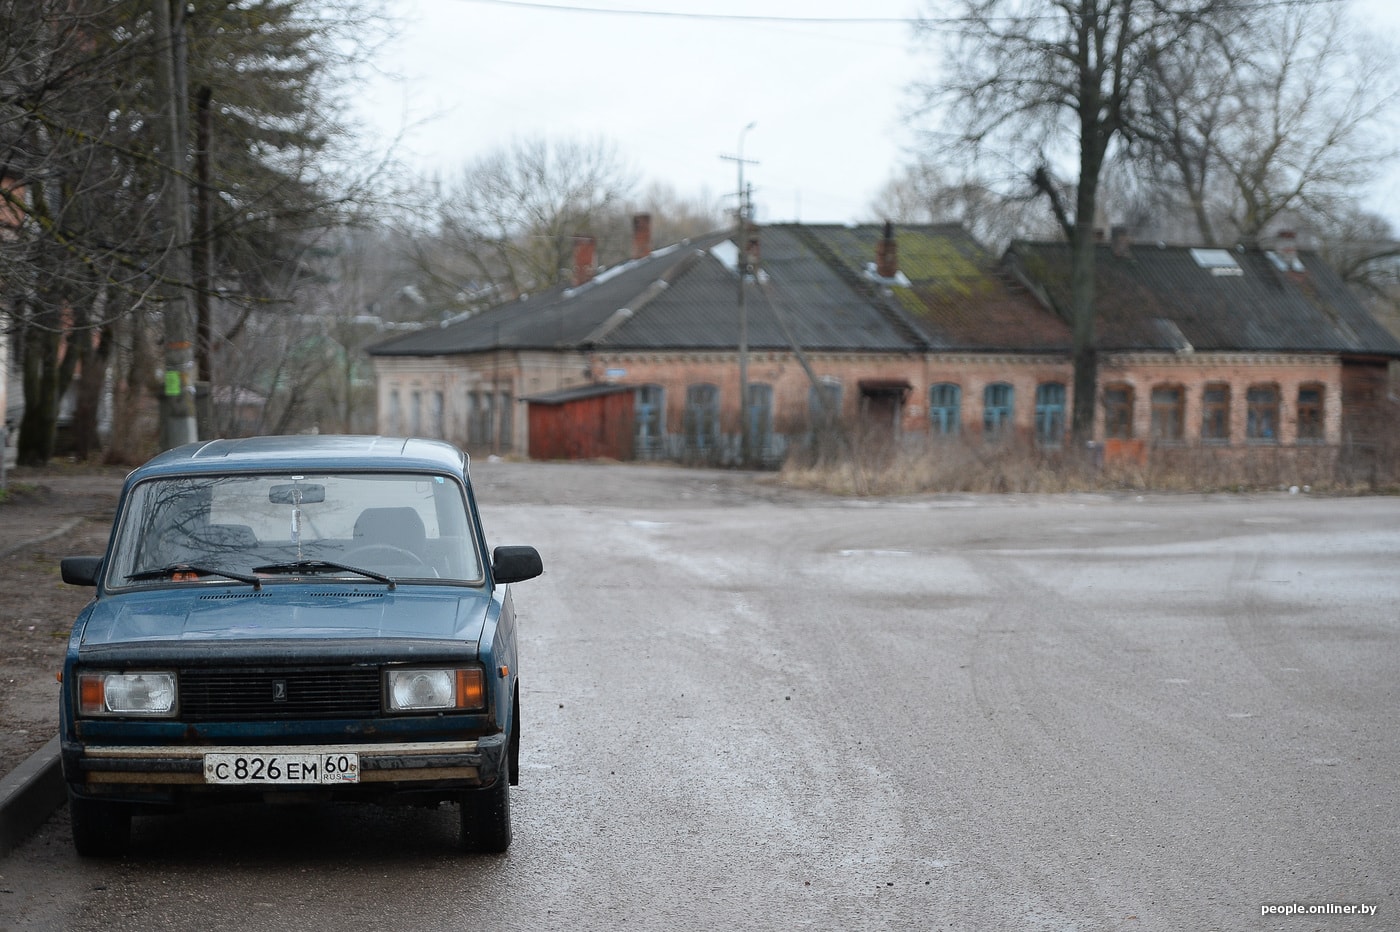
(165, 572)
(322, 566)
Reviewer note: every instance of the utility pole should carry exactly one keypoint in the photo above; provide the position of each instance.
(742, 266)
(177, 414)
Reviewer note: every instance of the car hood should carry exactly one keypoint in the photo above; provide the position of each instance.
(287, 611)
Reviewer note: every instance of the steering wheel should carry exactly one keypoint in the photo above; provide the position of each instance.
(352, 557)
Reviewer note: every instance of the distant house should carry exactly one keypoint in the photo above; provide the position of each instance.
(1224, 347)
(902, 332)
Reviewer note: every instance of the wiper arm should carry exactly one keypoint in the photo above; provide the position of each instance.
(174, 569)
(322, 566)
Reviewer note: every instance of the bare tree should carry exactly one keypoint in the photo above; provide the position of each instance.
(510, 219)
(923, 192)
(1277, 117)
(1051, 83)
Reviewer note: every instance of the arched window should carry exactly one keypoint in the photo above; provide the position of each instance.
(997, 401)
(1168, 413)
(435, 417)
(702, 417)
(507, 433)
(829, 413)
(395, 424)
(760, 415)
(1261, 412)
(945, 409)
(1050, 414)
(1310, 422)
(1215, 413)
(1118, 412)
(650, 405)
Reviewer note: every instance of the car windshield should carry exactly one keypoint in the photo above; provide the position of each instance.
(356, 526)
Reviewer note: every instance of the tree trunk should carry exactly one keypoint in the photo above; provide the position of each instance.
(38, 428)
(1082, 253)
(130, 394)
(92, 379)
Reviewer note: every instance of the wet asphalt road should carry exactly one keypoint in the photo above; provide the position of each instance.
(753, 709)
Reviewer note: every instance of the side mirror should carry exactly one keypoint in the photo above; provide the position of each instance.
(80, 571)
(515, 564)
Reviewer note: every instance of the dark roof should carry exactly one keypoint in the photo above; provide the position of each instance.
(818, 288)
(684, 297)
(559, 318)
(1176, 298)
(950, 290)
(814, 290)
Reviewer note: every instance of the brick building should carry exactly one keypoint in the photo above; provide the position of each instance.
(905, 332)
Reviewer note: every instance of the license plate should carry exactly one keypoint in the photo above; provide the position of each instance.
(282, 769)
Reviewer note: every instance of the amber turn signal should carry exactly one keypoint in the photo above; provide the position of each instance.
(471, 689)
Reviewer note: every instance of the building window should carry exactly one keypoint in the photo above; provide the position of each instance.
(415, 415)
(439, 427)
(1215, 413)
(1168, 413)
(395, 413)
(1118, 412)
(702, 417)
(825, 415)
(760, 415)
(1261, 409)
(945, 409)
(507, 421)
(479, 424)
(997, 400)
(1310, 429)
(488, 419)
(650, 404)
(1050, 414)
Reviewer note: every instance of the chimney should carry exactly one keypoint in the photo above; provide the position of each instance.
(583, 260)
(1287, 249)
(1122, 242)
(751, 250)
(641, 236)
(887, 254)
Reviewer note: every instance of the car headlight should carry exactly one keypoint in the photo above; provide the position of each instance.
(432, 690)
(140, 694)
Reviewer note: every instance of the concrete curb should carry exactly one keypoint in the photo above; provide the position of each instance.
(29, 794)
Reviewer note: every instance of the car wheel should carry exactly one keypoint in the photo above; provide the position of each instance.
(486, 818)
(100, 829)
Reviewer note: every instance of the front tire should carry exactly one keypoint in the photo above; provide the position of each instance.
(100, 829)
(486, 818)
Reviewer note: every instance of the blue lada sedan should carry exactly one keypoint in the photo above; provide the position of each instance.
(294, 618)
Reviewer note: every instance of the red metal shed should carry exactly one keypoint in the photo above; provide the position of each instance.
(588, 422)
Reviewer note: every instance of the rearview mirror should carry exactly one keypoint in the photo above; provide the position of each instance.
(80, 571)
(297, 494)
(514, 564)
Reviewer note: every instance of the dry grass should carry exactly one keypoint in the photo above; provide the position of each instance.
(854, 469)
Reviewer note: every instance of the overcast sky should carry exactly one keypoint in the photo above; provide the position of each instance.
(674, 93)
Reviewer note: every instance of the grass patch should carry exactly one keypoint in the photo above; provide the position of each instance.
(855, 469)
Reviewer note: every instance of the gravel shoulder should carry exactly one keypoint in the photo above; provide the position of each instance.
(46, 514)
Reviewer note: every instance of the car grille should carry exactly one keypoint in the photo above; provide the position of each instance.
(229, 695)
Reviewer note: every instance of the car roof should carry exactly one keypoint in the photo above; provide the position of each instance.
(308, 452)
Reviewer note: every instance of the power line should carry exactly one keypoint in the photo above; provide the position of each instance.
(681, 14)
(925, 21)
